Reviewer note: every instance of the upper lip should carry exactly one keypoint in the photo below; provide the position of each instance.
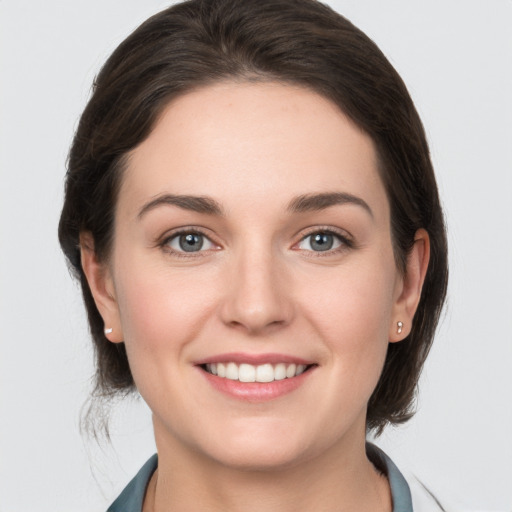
(254, 359)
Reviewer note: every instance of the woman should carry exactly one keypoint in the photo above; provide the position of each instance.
(253, 216)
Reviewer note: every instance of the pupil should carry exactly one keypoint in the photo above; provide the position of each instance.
(322, 242)
(191, 242)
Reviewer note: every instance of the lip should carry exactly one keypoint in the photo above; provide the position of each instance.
(254, 359)
(255, 392)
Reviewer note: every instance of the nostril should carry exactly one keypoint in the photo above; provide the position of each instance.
(254, 302)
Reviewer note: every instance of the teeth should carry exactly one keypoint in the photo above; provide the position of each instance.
(221, 369)
(264, 373)
(290, 370)
(250, 373)
(247, 373)
(232, 371)
(280, 371)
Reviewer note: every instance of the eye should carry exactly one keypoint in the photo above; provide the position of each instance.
(321, 241)
(190, 241)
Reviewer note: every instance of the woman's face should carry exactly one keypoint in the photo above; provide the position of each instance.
(252, 238)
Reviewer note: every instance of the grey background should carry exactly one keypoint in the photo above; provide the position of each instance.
(455, 56)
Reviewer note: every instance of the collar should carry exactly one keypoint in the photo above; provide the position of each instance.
(400, 492)
(132, 497)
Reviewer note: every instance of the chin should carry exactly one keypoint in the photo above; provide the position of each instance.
(260, 459)
(262, 449)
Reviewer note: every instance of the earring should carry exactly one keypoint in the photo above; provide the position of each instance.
(107, 330)
(399, 326)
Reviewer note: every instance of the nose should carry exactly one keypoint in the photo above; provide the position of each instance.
(258, 297)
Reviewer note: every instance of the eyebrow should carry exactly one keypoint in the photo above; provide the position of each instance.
(199, 204)
(300, 204)
(321, 201)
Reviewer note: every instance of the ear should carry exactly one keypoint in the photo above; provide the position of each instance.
(409, 288)
(102, 288)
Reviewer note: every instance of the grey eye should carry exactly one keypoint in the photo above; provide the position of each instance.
(319, 242)
(190, 242)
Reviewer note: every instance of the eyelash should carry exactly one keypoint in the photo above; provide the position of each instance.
(345, 242)
(165, 244)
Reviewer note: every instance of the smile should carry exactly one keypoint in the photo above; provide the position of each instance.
(251, 373)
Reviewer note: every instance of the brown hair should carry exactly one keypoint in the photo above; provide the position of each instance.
(304, 42)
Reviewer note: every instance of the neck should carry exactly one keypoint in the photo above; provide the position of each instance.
(341, 480)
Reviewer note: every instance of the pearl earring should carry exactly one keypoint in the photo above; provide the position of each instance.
(107, 330)
(399, 326)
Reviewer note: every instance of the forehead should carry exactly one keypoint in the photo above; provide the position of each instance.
(252, 143)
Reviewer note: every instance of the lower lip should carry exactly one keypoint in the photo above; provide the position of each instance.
(256, 391)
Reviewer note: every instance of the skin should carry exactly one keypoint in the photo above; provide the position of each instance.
(257, 287)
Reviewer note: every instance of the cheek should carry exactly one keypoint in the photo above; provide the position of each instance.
(356, 301)
(161, 312)
(352, 315)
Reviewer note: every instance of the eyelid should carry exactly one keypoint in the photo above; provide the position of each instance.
(186, 230)
(346, 240)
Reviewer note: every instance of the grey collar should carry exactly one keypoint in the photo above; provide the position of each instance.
(132, 497)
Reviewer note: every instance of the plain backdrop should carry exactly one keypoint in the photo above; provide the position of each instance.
(456, 58)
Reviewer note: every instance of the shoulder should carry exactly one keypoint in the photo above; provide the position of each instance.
(132, 497)
(409, 494)
(423, 499)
